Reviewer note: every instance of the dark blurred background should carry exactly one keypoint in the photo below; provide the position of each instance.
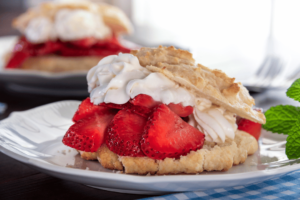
(8, 11)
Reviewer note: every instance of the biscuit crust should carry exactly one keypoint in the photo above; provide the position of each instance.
(88, 155)
(179, 66)
(108, 159)
(212, 157)
(55, 64)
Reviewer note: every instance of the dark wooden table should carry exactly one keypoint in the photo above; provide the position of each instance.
(19, 181)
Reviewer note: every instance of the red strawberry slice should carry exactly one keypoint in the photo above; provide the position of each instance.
(179, 109)
(87, 134)
(20, 53)
(93, 51)
(84, 47)
(167, 135)
(46, 48)
(125, 132)
(144, 100)
(116, 106)
(85, 42)
(250, 127)
(140, 110)
(149, 102)
(86, 108)
(17, 59)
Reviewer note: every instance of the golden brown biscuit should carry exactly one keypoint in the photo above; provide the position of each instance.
(212, 157)
(178, 65)
(138, 165)
(170, 55)
(88, 155)
(54, 63)
(189, 164)
(219, 157)
(108, 159)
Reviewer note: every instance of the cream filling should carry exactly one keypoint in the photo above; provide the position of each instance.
(67, 25)
(216, 123)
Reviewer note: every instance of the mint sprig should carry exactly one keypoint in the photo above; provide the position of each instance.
(294, 91)
(285, 119)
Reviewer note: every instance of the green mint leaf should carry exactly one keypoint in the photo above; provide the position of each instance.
(292, 147)
(282, 119)
(294, 91)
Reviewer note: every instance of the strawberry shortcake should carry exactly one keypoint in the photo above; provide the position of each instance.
(155, 111)
(67, 35)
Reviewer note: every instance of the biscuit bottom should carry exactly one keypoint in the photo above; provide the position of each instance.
(212, 157)
(55, 63)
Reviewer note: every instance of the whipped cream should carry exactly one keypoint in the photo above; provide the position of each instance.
(77, 24)
(40, 29)
(215, 124)
(117, 79)
(67, 25)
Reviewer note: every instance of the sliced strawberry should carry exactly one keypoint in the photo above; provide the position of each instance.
(167, 135)
(140, 110)
(116, 106)
(85, 42)
(47, 48)
(17, 59)
(179, 109)
(125, 132)
(86, 108)
(250, 127)
(143, 104)
(144, 100)
(93, 51)
(19, 55)
(149, 102)
(84, 47)
(87, 134)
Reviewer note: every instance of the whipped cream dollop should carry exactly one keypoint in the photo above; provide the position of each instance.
(39, 30)
(67, 25)
(117, 79)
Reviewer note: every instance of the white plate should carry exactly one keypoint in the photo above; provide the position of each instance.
(38, 82)
(34, 137)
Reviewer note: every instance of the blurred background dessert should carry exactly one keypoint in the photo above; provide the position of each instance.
(67, 35)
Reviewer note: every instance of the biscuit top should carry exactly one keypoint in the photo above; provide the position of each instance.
(214, 85)
(71, 20)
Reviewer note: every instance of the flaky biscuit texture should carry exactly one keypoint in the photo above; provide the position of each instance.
(215, 85)
(212, 157)
(112, 16)
(108, 159)
(88, 155)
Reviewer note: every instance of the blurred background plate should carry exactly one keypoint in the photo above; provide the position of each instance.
(46, 83)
